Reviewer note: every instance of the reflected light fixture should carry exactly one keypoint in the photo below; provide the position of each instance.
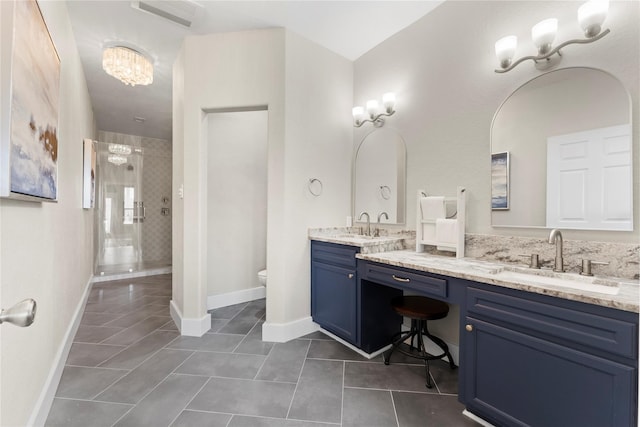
(127, 65)
(591, 16)
(117, 159)
(373, 111)
(119, 149)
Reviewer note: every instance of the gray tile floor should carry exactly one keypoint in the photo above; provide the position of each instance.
(128, 366)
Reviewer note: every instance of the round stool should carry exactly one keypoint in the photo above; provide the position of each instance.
(419, 310)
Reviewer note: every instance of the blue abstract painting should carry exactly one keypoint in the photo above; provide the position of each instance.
(35, 87)
(500, 181)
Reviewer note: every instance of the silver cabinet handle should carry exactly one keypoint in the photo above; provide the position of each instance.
(400, 279)
(350, 275)
(469, 328)
(21, 314)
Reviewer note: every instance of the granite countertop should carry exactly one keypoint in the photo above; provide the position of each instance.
(351, 236)
(542, 282)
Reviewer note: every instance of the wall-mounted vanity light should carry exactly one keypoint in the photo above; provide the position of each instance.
(591, 15)
(373, 111)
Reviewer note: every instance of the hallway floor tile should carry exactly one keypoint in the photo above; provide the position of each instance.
(128, 366)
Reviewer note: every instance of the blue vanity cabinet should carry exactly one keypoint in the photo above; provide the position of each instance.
(535, 360)
(334, 289)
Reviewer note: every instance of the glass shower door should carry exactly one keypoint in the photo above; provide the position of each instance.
(120, 210)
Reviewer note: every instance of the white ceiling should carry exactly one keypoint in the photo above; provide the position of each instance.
(349, 28)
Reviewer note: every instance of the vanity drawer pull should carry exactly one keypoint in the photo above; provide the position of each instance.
(350, 275)
(400, 279)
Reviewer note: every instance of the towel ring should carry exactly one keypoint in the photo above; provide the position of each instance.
(315, 187)
(385, 192)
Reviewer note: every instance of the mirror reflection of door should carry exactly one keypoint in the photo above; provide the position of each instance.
(589, 180)
(560, 102)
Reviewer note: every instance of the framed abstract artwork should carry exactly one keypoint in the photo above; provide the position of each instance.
(500, 181)
(30, 93)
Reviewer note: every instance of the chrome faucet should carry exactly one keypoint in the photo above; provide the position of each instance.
(380, 215)
(368, 232)
(556, 238)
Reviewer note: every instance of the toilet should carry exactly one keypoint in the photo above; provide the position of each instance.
(262, 277)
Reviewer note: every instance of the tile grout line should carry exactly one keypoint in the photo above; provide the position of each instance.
(395, 411)
(134, 343)
(398, 390)
(107, 387)
(344, 374)
(126, 329)
(244, 338)
(190, 400)
(295, 390)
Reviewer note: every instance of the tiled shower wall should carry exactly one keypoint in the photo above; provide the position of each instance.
(156, 193)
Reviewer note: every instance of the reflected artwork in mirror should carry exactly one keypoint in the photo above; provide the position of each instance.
(565, 105)
(379, 177)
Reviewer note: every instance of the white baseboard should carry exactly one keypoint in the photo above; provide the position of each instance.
(354, 348)
(236, 297)
(191, 327)
(283, 332)
(142, 273)
(45, 400)
(476, 418)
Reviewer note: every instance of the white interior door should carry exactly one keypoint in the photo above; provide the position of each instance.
(589, 180)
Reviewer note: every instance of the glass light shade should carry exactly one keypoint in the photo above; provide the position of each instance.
(591, 15)
(506, 49)
(543, 34)
(357, 112)
(372, 107)
(119, 149)
(389, 101)
(127, 65)
(117, 159)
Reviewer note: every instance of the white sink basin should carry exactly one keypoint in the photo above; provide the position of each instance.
(361, 237)
(560, 280)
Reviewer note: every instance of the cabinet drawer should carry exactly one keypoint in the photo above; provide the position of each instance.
(329, 253)
(405, 280)
(565, 324)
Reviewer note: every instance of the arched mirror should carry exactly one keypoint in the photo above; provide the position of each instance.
(561, 149)
(379, 177)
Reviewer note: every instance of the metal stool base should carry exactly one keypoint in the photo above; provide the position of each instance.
(419, 330)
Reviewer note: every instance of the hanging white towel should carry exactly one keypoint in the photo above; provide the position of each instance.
(429, 234)
(446, 234)
(432, 207)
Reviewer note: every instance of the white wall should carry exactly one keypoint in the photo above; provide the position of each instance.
(218, 72)
(46, 247)
(307, 90)
(442, 68)
(319, 87)
(236, 200)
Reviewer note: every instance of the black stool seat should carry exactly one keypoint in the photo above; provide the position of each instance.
(419, 309)
(422, 308)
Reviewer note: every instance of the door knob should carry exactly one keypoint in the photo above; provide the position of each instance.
(469, 328)
(21, 314)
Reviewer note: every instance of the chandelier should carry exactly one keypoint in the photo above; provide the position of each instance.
(127, 65)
